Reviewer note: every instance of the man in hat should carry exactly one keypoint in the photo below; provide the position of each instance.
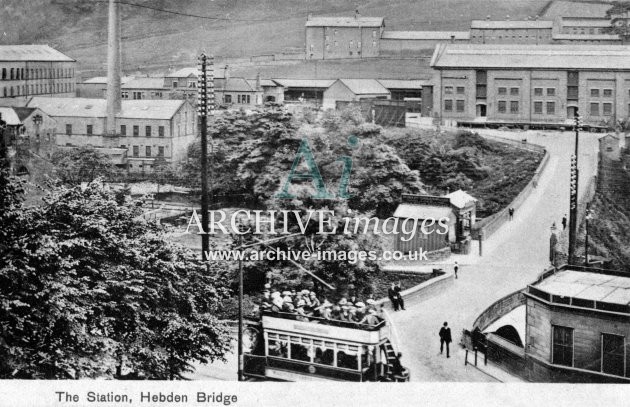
(325, 310)
(456, 269)
(445, 338)
(399, 297)
(302, 315)
(288, 304)
(265, 299)
(371, 319)
(361, 311)
(313, 299)
(393, 298)
(276, 301)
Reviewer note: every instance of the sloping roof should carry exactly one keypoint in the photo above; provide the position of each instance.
(589, 286)
(32, 53)
(365, 86)
(188, 72)
(144, 83)
(103, 80)
(522, 56)
(9, 116)
(411, 211)
(585, 22)
(305, 83)
(84, 107)
(403, 83)
(263, 83)
(345, 22)
(235, 85)
(587, 37)
(23, 112)
(510, 25)
(568, 8)
(425, 35)
(460, 199)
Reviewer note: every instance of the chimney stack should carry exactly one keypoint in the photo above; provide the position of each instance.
(113, 66)
(258, 85)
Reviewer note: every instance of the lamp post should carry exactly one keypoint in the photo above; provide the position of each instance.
(587, 218)
(553, 241)
(573, 196)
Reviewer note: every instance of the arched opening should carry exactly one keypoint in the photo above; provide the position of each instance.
(510, 333)
(22, 171)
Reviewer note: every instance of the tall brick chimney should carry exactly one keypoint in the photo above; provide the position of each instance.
(113, 66)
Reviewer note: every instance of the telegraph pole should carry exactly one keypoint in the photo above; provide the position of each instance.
(573, 197)
(205, 104)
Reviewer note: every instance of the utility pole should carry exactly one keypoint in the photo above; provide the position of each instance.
(205, 104)
(573, 197)
(588, 217)
(240, 313)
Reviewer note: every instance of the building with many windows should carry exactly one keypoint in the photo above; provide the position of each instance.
(531, 83)
(34, 70)
(571, 325)
(343, 37)
(147, 129)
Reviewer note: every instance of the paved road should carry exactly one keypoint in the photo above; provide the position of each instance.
(513, 257)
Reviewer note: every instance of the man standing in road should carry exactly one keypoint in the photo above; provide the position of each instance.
(399, 297)
(564, 222)
(445, 338)
(456, 269)
(393, 297)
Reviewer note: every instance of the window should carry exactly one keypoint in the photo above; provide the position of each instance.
(448, 105)
(147, 131)
(161, 131)
(607, 109)
(538, 91)
(136, 151)
(160, 151)
(278, 349)
(374, 43)
(373, 33)
(448, 90)
(300, 351)
(551, 107)
(248, 98)
(594, 93)
(613, 354)
(347, 357)
(562, 346)
(90, 129)
(238, 98)
(227, 98)
(148, 151)
(175, 84)
(594, 109)
(607, 93)
(513, 91)
(502, 91)
(459, 105)
(4, 73)
(551, 91)
(513, 106)
(192, 84)
(123, 130)
(125, 94)
(502, 106)
(68, 129)
(538, 107)
(136, 131)
(460, 90)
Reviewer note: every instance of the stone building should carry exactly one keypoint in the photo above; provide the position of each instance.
(353, 90)
(96, 87)
(531, 83)
(343, 37)
(147, 129)
(145, 88)
(570, 325)
(511, 32)
(34, 70)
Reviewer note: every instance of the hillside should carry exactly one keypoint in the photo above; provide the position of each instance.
(240, 28)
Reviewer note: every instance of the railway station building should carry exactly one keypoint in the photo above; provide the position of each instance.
(520, 83)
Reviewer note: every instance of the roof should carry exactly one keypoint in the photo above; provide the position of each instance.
(9, 116)
(425, 35)
(24, 112)
(32, 53)
(144, 83)
(523, 56)
(568, 8)
(263, 83)
(585, 285)
(345, 22)
(235, 85)
(84, 107)
(188, 72)
(460, 199)
(103, 80)
(364, 86)
(412, 211)
(403, 83)
(585, 22)
(509, 24)
(305, 83)
(587, 37)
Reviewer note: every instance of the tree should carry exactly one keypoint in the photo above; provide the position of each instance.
(89, 289)
(619, 15)
(83, 164)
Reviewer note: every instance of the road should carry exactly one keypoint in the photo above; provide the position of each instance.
(513, 257)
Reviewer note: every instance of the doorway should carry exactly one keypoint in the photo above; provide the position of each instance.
(481, 110)
(571, 112)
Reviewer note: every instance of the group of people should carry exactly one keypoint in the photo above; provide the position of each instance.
(307, 306)
(395, 297)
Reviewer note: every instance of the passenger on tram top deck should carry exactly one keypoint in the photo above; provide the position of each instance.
(325, 310)
(302, 315)
(288, 304)
(371, 318)
(361, 310)
(315, 303)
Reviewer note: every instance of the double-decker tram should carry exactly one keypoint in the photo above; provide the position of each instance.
(289, 347)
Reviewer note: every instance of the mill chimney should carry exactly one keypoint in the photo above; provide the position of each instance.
(113, 66)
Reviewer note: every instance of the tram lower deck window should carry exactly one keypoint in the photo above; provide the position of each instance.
(278, 349)
(300, 352)
(324, 356)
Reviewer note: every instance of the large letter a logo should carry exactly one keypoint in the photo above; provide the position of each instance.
(304, 152)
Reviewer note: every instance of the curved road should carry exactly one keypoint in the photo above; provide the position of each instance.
(513, 257)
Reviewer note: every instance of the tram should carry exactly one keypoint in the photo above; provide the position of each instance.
(286, 347)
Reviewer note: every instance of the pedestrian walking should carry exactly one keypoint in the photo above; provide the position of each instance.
(456, 269)
(393, 298)
(445, 338)
(511, 213)
(399, 297)
(564, 222)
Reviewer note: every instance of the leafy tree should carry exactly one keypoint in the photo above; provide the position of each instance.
(83, 164)
(619, 15)
(89, 289)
